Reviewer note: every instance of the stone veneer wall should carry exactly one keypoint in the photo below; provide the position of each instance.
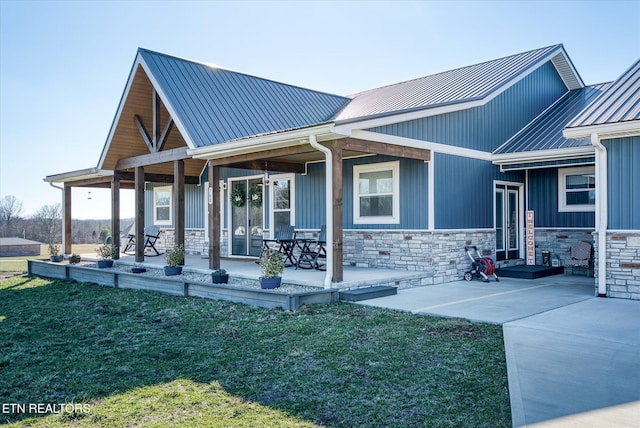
(559, 242)
(623, 264)
(439, 252)
(194, 240)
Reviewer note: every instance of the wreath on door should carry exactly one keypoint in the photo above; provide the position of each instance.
(238, 197)
(255, 197)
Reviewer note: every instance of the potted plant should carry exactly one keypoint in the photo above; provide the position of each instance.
(220, 276)
(74, 258)
(54, 255)
(272, 266)
(175, 259)
(106, 252)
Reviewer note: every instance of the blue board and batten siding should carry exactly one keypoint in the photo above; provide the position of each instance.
(488, 127)
(310, 195)
(623, 176)
(193, 203)
(543, 200)
(464, 191)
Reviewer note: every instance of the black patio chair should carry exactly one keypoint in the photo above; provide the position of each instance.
(284, 242)
(151, 235)
(313, 251)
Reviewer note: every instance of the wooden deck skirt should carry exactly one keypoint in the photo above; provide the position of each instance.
(117, 279)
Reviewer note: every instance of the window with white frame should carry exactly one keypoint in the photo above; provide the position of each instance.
(376, 193)
(576, 189)
(162, 208)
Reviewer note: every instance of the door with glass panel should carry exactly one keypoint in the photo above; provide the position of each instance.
(508, 216)
(247, 216)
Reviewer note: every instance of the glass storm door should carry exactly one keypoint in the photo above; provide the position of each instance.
(247, 217)
(508, 214)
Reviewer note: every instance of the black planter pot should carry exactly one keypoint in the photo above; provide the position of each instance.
(172, 270)
(102, 264)
(270, 283)
(220, 279)
(56, 259)
(138, 270)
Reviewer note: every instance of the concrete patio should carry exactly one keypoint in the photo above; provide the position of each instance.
(572, 359)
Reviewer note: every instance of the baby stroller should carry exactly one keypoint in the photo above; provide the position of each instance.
(482, 267)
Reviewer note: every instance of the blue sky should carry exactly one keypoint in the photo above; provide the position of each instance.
(63, 65)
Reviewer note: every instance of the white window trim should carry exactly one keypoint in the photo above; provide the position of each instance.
(375, 167)
(562, 190)
(155, 210)
(292, 200)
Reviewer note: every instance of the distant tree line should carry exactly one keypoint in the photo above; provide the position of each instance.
(46, 224)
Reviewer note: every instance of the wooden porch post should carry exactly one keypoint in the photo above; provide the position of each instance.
(115, 213)
(213, 201)
(66, 221)
(178, 201)
(336, 153)
(139, 189)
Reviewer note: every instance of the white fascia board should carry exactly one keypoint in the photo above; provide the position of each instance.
(264, 142)
(604, 131)
(165, 100)
(116, 119)
(543, 155)
(347, 128)
(574, 73)
(81, 174)
(419, 144)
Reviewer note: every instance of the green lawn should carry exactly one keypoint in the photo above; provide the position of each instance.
(138, 358)
(19, 264)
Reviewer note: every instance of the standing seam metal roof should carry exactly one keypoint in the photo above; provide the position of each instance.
(619, 103)
(455, 86)
(545, 132)
(218, 105)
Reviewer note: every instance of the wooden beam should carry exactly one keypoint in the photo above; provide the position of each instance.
(156, 120)
(156, 178)
(213, 202)
(264, 155)
(178, 201)
(153, 158)
(336, 159)
(271, 166)
(115, 213)
(375, 147)
(144, 133)
(165, 134)
(66, 221)
(139, 198)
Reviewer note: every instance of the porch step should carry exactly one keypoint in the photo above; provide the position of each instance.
(368, 293)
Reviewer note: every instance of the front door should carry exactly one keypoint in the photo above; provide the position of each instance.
(508, 216)
(247, 216)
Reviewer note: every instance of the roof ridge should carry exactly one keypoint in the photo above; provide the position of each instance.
(455, 69)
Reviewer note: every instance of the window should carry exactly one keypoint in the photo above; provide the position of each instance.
(282, 201)
(162, 205)
(576, 189)
(376, 193)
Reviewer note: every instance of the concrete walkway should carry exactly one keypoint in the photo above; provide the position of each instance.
(573, 360)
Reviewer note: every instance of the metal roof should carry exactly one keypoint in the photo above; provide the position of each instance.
(545, 132)
(471, 83)
(620, 103)
(217, 105)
